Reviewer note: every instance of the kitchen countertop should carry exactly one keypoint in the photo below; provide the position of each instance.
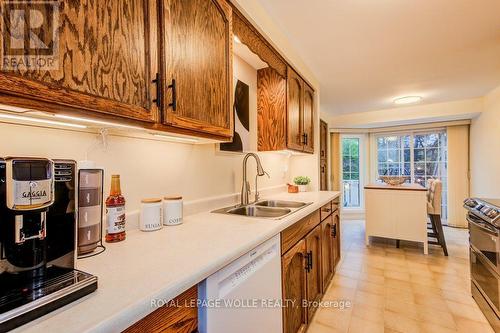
(405, 186)
(163, 264)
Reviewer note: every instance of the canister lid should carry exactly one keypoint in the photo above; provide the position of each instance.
(173, 198)
(151, 200)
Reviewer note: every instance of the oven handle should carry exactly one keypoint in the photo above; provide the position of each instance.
(488, 230)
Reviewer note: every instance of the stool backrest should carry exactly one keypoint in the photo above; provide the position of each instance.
(434, 196)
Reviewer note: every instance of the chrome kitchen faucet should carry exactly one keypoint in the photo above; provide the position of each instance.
(245, 187)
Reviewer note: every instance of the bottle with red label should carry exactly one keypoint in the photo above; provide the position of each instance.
(115, 212)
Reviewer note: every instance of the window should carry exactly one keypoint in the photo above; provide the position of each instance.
(351, 172)
(420, 156)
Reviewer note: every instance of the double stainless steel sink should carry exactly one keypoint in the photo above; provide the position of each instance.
(271, 209)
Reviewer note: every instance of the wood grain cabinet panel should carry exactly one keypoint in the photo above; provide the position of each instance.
(171, 319)
(308, 116)
(271, 110)
(314, 273)
(336, 237)
(295, 315)
(196, 64)
(327, 251)
(323, 138)
(103, 61)
(295, 95)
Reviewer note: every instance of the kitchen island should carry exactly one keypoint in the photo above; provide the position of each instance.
(160, 265)
(397, 212)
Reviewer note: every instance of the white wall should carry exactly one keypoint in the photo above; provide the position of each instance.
(485, 149)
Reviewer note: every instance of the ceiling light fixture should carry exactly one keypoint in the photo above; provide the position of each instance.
(99, 122)
(236, 39)
(175, 138)
(41, 121)
(407, 100)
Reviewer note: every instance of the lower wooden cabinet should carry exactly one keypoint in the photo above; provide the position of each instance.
(295, 314)
(171, 319)
(310, 251)
(328, 250)
(314, 274)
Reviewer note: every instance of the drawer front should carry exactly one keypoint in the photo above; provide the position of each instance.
(171, 318)
(291, 235)
(326, 210)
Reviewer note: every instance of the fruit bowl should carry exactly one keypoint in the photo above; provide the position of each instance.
(394, 180)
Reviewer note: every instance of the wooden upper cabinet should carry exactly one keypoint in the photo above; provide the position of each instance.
(314, 273)
(323, 139)
(271, 110)
(300, 113)
(294, 288)
(102, 62)
(308, 111)
(328, 251)
(295, 95)
(197, 65)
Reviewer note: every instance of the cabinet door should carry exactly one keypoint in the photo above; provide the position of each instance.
(327, 251)
(294, 288)
(323, 138)
(295, 95)
(323, 175)
(308, 116)
(336, 238)
(314, 274)
(101, 59)
(197, 65)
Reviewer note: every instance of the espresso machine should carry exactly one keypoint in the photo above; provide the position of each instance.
(38, 239)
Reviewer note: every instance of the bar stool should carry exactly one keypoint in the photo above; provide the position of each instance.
(435, 227)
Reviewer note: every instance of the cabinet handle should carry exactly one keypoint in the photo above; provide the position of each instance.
(322, 169)
(307, 262)
(156, 81)
(310, 260)
(305, 138)
(334, 230)
(173, 86)
(328, 210)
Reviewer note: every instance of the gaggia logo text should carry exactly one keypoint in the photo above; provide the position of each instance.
(30, 35)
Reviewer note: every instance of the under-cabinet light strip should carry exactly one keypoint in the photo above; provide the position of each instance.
(175, 138)
(42, 121)
(100, 122)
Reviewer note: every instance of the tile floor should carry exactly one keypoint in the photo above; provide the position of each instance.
(400, 290)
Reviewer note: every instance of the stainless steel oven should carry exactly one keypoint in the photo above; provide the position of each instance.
(484, 230)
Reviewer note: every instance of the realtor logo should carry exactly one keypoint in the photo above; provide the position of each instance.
(30, 35)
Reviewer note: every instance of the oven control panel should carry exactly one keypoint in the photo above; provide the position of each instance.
(488, 212)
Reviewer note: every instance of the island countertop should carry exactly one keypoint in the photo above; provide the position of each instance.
(403, 187)
(163, 264)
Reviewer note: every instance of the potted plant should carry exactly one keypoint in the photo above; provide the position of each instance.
(302, 182)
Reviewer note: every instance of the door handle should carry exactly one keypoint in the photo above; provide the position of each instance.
(173, 86)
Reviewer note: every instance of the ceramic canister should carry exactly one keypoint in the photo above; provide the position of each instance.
(172, 210)
(151, 214)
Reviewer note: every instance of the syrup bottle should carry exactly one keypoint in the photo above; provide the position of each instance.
(115, 212)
